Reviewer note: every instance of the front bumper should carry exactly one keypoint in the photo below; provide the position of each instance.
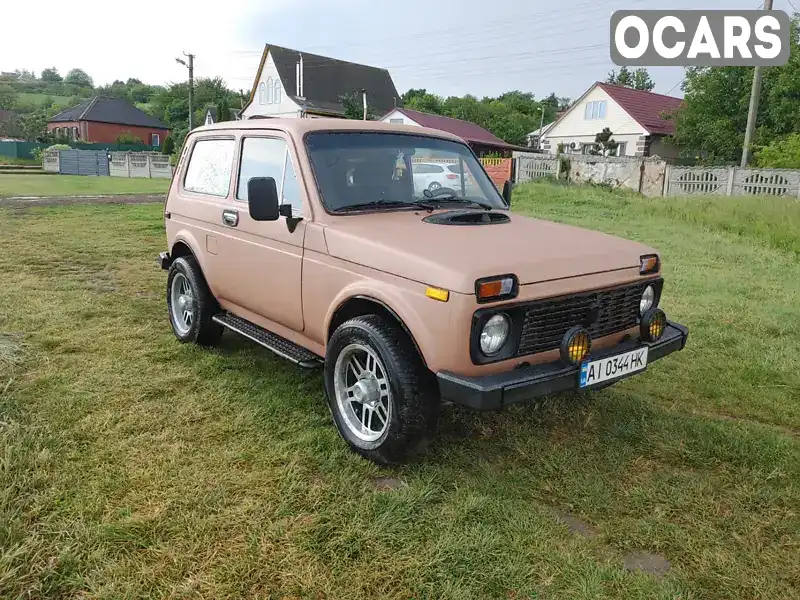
(492, 392)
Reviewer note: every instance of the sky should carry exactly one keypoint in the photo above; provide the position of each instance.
(449, 47)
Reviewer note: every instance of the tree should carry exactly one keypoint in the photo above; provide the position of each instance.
(79, 77)
(422, 101)
(638, 79)
(223, 111)
(34, 126)
(51, 75)
(604, 143)
(353, 104)
(8, 97)
(169, 145)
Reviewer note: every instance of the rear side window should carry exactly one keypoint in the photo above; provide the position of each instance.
(210, 167)
(269, 157)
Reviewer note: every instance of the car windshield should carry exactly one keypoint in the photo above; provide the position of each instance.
(379, 171)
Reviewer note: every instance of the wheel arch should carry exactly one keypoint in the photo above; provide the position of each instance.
(361, 304)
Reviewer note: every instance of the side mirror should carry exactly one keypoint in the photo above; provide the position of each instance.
(262, 199)
(507, 193)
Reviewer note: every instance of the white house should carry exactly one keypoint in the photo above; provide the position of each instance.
(295, 84)
(211, 115)
(636, 119)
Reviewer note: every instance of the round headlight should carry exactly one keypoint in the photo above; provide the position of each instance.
(648, 299)
(494, 334)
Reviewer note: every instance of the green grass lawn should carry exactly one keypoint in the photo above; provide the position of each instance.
(75, 185)
(132, 466)
(8, 160)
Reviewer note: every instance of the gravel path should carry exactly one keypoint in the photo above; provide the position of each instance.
(60, 200)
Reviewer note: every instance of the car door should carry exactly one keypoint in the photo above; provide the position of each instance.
(263, 259)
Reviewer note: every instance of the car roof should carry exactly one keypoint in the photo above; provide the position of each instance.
(300, 127)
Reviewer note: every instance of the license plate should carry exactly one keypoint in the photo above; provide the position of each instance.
(613, 367)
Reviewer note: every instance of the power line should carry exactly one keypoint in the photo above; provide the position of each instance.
(792, 5)
(675, 86)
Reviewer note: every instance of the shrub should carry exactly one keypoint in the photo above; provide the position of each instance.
(168, 147)
(38, 153)
(126, 137)
(782, 154)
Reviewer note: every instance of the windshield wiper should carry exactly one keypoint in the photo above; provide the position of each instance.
(449, 198)
(379, 204)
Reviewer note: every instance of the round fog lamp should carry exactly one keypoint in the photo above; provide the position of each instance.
(494, 334)
(648, 299)
(653, 325)
(576, 345)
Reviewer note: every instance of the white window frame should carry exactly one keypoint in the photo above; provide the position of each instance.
(270, 91)
(276, 86)
(396, 121)
(595, 110)
(262, 93)
(155, 139)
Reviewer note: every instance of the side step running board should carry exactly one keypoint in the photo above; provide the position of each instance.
(280, 346)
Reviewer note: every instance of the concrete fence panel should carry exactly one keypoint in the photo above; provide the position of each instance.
(530, 168)
(766, 182)
(712, 181)
(50, 161)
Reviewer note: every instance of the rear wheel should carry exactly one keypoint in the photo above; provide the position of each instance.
(383, 399)
(191, 304)
(435, 185)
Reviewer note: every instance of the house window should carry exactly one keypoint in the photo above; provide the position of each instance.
(621, 149)
(262, 93)
(396, 121)
(270, 91)
(595, 110)
(587, 148)
(277, 87)
(210, 167)
(155, 140)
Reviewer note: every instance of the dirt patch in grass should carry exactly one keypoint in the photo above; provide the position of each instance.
(653, 564)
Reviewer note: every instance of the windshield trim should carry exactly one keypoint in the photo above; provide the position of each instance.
(342, 213)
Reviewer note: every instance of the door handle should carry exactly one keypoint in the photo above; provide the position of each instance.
(230, 218)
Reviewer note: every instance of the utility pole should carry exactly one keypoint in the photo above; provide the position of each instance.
(190, 66)
(752, 113)
(364, 100)
(541, 126)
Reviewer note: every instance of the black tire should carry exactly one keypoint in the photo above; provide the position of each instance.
(414, 416)
(202, 329)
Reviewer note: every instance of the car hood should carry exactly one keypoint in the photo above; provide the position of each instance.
(454, 256)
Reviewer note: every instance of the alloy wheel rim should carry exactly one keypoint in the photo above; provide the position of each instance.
(182, 303)
(363, 395)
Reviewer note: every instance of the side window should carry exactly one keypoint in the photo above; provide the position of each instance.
(210, 167)
(269, 157)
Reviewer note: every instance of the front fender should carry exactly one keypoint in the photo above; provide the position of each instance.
(424, 319)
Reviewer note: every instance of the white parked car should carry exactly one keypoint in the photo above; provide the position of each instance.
(435, 176)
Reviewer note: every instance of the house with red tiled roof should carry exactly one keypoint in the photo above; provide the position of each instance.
(639, 122)
(480, 140)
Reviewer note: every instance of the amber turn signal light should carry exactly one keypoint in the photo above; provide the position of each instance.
(576, 345)
(648, 264)
(437, 294)
(496, 288)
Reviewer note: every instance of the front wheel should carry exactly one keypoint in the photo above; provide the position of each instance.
(383, 399)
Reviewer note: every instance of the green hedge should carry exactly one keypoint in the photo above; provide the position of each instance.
(25, 149)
